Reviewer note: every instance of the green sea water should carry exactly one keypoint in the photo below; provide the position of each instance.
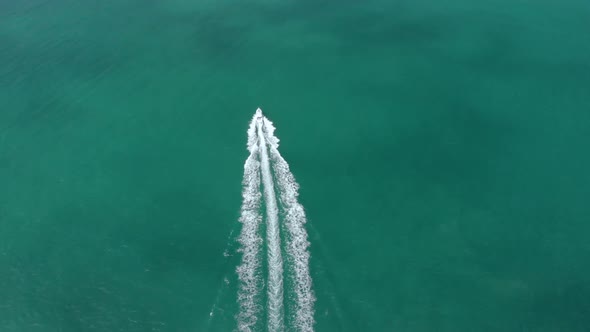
(441, 148)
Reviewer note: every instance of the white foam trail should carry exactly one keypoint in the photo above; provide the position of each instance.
(250, 282)
(264, 162)
(275, 261)
(297, 242)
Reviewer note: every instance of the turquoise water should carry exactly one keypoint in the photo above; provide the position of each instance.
(441, 148)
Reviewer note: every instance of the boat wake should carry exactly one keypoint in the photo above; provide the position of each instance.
(277, 287)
